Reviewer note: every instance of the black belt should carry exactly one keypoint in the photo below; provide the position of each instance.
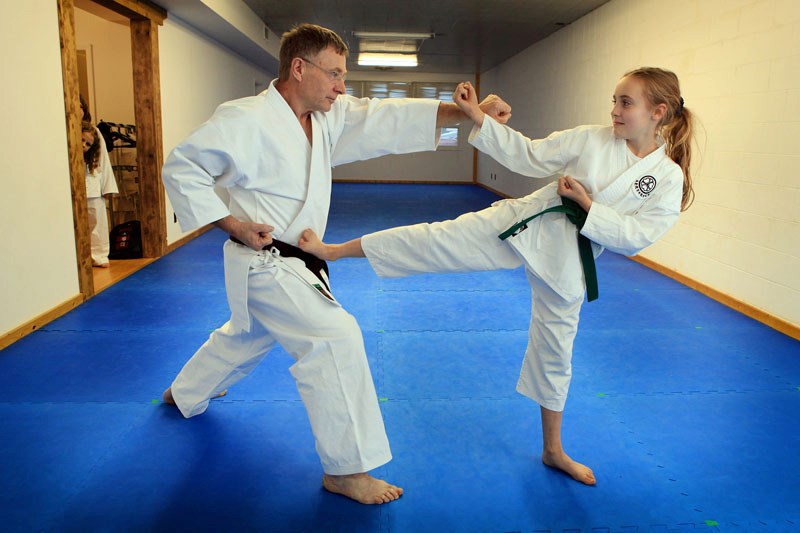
(577, 215)
(313, 263)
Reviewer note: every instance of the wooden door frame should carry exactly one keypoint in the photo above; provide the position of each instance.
(144, 21)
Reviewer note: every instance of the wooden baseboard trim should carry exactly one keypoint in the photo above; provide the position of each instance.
(188, 237)
(498, 193)
(36, 323)
(787, 328)
(45, 318)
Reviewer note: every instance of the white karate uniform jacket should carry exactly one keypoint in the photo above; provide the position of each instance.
(633, 206)
(260, 154)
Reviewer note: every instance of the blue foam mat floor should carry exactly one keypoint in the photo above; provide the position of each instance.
(687, 411)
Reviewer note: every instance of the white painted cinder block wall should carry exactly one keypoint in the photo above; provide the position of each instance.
(739, 65)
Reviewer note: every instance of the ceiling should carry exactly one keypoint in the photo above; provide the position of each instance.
(470, 35)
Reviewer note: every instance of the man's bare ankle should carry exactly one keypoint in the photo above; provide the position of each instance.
(167, 396)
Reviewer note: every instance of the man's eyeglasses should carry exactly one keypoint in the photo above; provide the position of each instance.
(334, 75)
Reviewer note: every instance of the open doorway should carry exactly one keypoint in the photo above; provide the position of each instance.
(107, 50)
(105, 75)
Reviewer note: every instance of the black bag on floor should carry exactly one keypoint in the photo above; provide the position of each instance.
(126, 240)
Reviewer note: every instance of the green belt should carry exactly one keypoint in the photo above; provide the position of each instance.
(577, 216)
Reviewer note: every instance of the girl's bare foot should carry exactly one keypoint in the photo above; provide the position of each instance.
(563, 462)
(362, 488)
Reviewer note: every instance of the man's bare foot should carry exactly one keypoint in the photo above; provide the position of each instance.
(562, 461)
(167, 396)
(168, 399)
(362, 488)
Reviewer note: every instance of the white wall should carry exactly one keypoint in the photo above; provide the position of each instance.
(739, 65)
(38, 268)
(37, 243)
(109, 65)
(197, 74)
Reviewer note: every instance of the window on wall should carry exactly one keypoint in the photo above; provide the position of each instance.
(380, 89)
(438, 91)
(443, 92)
(401, 89)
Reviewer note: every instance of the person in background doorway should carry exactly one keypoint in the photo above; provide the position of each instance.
(100, 185)
(86, 116)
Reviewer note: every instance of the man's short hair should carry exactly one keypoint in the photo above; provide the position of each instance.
(307, 40)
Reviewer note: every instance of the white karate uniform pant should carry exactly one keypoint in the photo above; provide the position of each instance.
(98, 224)
(331, 370)
(469, 244)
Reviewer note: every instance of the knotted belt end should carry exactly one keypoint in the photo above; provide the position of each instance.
(577, 215)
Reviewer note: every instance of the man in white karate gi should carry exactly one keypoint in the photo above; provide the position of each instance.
(273, 154)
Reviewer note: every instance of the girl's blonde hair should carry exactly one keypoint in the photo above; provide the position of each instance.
(677, 127)
(92, 156)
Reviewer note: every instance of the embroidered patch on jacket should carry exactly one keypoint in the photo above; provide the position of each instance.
(644, 186)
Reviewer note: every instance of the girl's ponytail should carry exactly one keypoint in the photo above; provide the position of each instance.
(678, 136)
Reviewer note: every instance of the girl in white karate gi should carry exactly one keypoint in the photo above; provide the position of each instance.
(632, 178)
(100, 185)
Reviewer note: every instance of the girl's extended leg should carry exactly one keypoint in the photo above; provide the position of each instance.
(468, 243)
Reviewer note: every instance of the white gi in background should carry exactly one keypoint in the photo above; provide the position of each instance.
(98, 184)
(256, 149)
(635, 201)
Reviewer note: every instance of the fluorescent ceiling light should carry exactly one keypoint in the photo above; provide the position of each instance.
(399, 46)
(392, 35)
(371, 59)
